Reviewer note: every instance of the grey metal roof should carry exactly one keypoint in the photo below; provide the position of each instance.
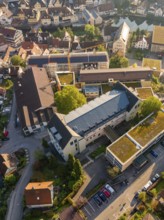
(97, 112)
(87, 14)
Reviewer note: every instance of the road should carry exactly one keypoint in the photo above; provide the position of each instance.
(17, 141)
(113, 210)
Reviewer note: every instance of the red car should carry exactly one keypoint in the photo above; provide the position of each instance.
(106, 192)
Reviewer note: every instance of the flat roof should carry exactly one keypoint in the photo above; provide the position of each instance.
(144, 93)
(151, 63)
(148, 129)
(158, 35)
(123, 148)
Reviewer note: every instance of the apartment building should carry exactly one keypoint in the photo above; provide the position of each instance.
(157, 44)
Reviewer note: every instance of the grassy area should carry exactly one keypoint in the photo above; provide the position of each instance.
(124, 148)
(66, 78)
(148, 129)
(144, 93)
(146, 62)
(97, 152)
(160, 186)
(133, 84)
(106, 88)
(95, 189)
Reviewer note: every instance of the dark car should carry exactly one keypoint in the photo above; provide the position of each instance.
(102, 196)
(154, 154)
(97, 200)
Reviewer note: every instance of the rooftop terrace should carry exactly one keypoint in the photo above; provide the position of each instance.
(124, 148)
(149, 129)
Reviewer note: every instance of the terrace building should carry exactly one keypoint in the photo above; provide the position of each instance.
(135, 142)
(71, 133)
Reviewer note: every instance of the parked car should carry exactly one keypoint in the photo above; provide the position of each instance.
(157, 176)
(154, 153)
(106, 192)
(148, 184)
(102, 196)
(109, 188)
(97, 200)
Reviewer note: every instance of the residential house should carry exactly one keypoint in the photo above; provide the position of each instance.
(97, 18)
(3, 45)
(67, 37)
(161, 198)
(106, 9)
(45, 18)
(5, 16)
(29, 48)
(90, 45)
(121, 39)
(71, 133)
(158, 12)
(142, 44)
(8, 164)
(59, 45)
(39, 194)
(38, 5)
(31, 15)
(12, 36)
(38, 37)
(109, 32)
(61, 15)
(141, 10)
(88, 17)
(157, 44)
(35, 99)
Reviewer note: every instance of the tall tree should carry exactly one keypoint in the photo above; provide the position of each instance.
(69, 99)
(152, 104)
(70, 162)
(78, 168)
(142, 196)
(117, 61)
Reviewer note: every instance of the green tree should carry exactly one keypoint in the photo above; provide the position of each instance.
(154, 192)
(16, 60)
(162, 175)
(70, 162)
(78, 169)
(101, 48)
(69, 99)
(117, 61)
(151, 104)
(92, 32)
(10, 180)
(142, 196)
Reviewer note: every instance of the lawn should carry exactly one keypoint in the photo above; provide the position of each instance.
(146, 62)
(149, 129)
(133, 84)
(144, 93)
(97, 152)
(66, 78)
(123, 148)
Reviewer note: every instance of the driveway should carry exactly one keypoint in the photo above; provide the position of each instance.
(17, 141)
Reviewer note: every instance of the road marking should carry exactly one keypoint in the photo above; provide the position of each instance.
(87, 211)
(91, 206)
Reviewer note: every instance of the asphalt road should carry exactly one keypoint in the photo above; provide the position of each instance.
(17, 141)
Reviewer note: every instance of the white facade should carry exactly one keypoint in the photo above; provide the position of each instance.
(142, 44)
(158, 12)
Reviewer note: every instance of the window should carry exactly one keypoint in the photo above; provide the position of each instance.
(75, 141)
(71, 143)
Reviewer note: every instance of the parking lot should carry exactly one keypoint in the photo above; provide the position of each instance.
(115, 203)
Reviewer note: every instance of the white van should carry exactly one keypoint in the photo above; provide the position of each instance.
(109, 188)
(148, 184)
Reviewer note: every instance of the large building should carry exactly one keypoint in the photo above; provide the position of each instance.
(77, 61)
(135, 142)
(121, 39)
(35, 98)
(121, 74)
(71, 133)
(157, 44)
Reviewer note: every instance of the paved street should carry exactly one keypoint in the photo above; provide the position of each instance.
(17, 141)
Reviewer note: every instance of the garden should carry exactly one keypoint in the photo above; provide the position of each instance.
(67, 178)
